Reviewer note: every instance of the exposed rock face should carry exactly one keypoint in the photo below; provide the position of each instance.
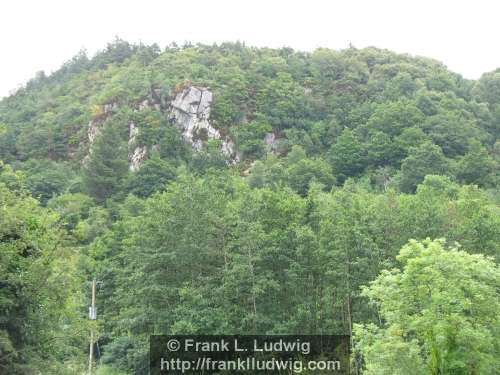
(109, 107)
(190, 110)
(94, 127)
(93, 131)
(272, 142)
(148, 103)
(228, 148)
(194, 101)
(133, 131)
(137, 154)
(137, 158)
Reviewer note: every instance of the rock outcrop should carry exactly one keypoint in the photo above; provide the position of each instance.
(272, 142)
(95, 126)
(137, 157)
(137, 154)
(189, 111)
(92, 132)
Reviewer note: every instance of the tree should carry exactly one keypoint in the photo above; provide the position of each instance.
(209, 158)
(451, 132)
(269, 172)
(477, 166)
(421, 161)
(487, 89)
(46, 179)
(154, 175)
(7, 143)
(410, 137)
(301, 171)
(107, 166)
(203, 244)
(393, 117)
(439, 314)
(72, 208)
(347, 156)
(40, 326)
(282, 101)
(172, 146)
(380, 149)
(250, 138)
(401, 85)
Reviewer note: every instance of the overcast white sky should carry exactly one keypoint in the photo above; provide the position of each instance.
(41, 35)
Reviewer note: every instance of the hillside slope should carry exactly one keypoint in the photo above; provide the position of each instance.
(359, 112)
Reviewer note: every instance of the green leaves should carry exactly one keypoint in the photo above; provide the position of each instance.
(250, 138)
(441, 309)
(393, 117)
(347, 155)
(421, 161)
(39, 289)
(477, 166)
(107, 165)
(154, 175)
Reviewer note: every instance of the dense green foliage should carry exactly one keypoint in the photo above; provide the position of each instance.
(369, 150)
(40, 297)
(440, 314)
(362, 111)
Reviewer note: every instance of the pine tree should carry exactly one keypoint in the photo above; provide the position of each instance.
(107, 166)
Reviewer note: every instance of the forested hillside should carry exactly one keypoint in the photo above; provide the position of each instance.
(235, 190)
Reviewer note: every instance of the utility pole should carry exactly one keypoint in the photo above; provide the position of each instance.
(92, 316)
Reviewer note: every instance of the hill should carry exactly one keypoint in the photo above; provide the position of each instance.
(231, 189)
(359, 112)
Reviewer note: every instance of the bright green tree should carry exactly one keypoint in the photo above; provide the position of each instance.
(439, 314)
(41, 329)
(393, 117)
(301, 171)
(347, 156)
